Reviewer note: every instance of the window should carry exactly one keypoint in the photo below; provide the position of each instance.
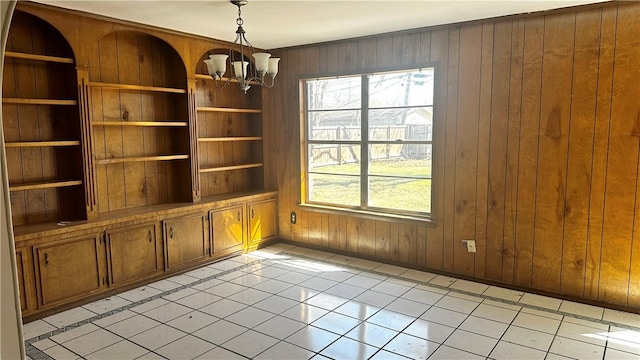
(385, 119)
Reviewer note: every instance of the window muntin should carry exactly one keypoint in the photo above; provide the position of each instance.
(385, 118)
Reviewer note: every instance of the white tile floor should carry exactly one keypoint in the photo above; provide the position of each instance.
(286, 302)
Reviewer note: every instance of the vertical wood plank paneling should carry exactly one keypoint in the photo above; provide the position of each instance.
(622, 165)
(450, 148)
(511, 110)
(383, 247)
(580, 156)
(407, 244)
(528, 155)
(498, 148)
(552, 152)
(600, 145)
(466, 146)
(513, 150)
(484, 121)
(439, 53)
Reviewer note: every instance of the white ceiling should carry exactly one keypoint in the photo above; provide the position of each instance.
(273, 24)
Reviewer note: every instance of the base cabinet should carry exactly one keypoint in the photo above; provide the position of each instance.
(69, 269)
(71, 266)
(133, 252)
(262, 222)
(227, 230)
(186, 240)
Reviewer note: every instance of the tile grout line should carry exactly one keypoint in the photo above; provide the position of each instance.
(487, 297)
(35, 353)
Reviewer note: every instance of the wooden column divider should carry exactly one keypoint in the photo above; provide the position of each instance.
(86, 138)
(193, 140)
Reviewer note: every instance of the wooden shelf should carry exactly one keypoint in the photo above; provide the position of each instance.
(141, 123)
(232, 167)
(22, 101)
(44, 185)
(228, 110)
(55, 59)
(23, 144)
(231, 138)
(208, 77)
(137, 87)
(140, 159)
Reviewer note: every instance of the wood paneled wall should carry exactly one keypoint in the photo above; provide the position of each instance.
(536, 151)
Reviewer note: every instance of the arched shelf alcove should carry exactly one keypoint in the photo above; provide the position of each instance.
(41, 124)
(230, 146)
(140, 122)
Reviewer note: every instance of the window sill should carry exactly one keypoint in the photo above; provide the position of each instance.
(371, 215)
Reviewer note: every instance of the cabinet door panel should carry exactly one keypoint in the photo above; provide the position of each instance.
(262, 221)
(68, 269)
(186, 240)
(228, 232)
(21, 258)
(133, 253)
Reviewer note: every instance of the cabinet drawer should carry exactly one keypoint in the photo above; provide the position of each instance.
(133, 253)
(227, 230)
(68, 269)
(186, 240)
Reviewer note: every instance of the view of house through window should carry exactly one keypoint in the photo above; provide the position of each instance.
(369, 141)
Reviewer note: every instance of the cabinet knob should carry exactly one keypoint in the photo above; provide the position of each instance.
(46, 260)
(171, 232)
(252, 213)
(150, 236)
(238, 215)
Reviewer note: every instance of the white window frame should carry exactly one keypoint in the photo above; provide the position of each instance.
(364, 144)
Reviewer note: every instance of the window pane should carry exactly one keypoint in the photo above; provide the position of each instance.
(334, 158)
(401, 89)
(342, 93)
(401, 124)
(334, 125)
(334, 189)
(400, 194)
(419, 165)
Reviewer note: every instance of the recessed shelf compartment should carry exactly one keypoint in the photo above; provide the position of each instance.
(141, 123)
(231, 167)
(23, 101)
(27, 56)
(44, 185)
(140, 159)
(228, 110)
(136, 87)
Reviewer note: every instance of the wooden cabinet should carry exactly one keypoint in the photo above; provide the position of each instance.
(227, 230)
(186, 240)
(133, 253)
(69, 269)
(262, 222)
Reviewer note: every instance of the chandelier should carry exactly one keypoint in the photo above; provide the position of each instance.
(239, 54)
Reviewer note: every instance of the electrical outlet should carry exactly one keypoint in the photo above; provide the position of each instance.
(470, 244)
(294, 217)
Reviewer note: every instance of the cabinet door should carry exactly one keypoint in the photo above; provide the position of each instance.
(262, 221)
(68, 269)
(228, 232)
(26, 285)
(133, 253)
(186, 240)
